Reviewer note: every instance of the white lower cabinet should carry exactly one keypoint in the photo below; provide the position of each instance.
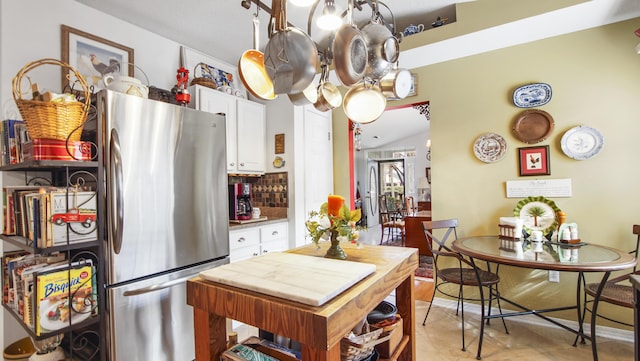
(249, 242)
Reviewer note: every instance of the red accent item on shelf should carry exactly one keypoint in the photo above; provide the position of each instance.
(54, 149)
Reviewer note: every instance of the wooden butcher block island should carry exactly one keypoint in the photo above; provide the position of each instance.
(318, 328)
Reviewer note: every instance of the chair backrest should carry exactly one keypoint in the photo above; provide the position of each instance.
(383, 209)
(636, 231)
(437, 245)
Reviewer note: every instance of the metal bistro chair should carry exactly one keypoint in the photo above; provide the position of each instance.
(617, 291)
(466, 274)
(390, 219)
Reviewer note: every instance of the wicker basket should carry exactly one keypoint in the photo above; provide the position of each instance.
(209, 83)
(50, 120)
(361, 347)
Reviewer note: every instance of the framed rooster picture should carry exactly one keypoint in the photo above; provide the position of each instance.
(534, 160)
(92, 57)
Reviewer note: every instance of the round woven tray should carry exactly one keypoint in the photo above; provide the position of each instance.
(52, 120)
(204, 82)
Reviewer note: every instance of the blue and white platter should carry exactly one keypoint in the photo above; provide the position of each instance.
(532, 95)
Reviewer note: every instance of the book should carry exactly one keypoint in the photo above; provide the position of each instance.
(64, 296)
(71, 217)
(8, 257)
(21, 137)
(9, 206)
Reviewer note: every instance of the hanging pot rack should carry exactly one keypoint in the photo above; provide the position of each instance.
(357, 4)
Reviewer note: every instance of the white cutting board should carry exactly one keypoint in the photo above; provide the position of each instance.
(305, 279)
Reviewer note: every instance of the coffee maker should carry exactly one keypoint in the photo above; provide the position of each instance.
(240, 207)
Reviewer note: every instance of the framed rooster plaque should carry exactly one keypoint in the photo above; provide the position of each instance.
(534, 160)
(93, 57)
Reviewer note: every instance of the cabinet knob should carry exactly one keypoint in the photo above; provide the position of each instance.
(255, 253)
(242, 164)
(232, 164)
(265, 251)
(274, 233)
(241, 239)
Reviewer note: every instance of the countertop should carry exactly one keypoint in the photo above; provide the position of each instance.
(269, 220)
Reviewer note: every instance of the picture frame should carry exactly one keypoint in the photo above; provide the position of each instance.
(428, 174)
(534, 161)
(216, 70)
(92, 57)
(413, 91)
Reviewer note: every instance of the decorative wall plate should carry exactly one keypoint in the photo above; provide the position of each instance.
(538, 214)
(532, 95)
(533, 126)
(582, 142)
(490, 147)
(278, 162)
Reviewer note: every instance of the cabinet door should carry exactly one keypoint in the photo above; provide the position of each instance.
(251, 136)
(213, 101)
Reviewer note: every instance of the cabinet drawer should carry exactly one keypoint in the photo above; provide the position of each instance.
(274, 231)
(277, 245)
(244, 238)
(238, 254)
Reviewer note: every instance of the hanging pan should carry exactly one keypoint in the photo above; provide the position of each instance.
(251, 67)
(291, 57)
(329, 96)
(350, 52)
(382, 47)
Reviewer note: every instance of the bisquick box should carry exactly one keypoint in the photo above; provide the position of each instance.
(54, 149)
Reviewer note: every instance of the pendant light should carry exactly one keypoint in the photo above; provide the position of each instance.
(329, 20)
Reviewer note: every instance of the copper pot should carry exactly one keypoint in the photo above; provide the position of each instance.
(252, 71)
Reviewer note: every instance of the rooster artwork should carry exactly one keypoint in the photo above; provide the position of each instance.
(94, 68)
(534, 161)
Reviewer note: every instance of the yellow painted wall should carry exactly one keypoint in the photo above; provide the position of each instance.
(595, 77)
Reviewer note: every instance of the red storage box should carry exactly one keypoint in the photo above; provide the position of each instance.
(53, 149)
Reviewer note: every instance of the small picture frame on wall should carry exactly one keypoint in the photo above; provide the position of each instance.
(534, 161)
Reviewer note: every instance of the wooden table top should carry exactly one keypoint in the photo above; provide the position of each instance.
(320, 327)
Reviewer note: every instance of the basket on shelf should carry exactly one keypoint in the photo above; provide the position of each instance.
(361, 346)
(204, 81)
(52, 120)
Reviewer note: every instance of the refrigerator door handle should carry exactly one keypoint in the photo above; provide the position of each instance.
(115, 196)
(157, 287)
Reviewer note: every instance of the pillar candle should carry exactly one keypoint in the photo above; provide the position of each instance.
(334, 203)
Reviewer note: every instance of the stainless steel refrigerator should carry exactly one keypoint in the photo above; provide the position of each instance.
(166, 199)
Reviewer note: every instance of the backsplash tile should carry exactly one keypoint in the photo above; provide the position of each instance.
(271, 190)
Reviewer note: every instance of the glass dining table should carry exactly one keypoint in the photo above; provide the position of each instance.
(581, 258)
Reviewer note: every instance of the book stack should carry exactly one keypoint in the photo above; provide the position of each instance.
(48, 292)
(14, 135)
(50, 216)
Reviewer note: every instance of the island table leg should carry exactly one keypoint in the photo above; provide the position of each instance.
(210, 335)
